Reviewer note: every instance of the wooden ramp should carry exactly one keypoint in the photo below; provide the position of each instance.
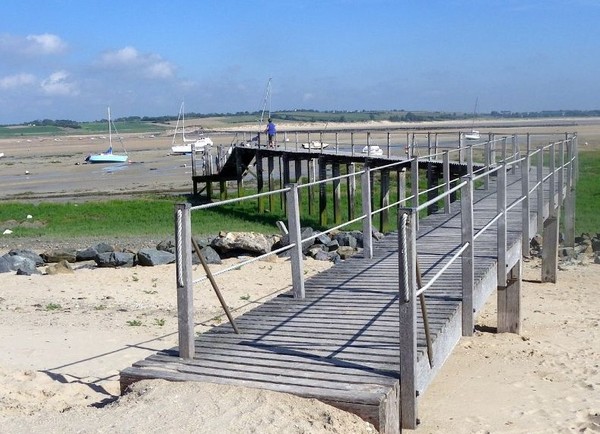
(341, 343)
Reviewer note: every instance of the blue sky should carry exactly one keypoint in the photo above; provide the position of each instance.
(70, 59)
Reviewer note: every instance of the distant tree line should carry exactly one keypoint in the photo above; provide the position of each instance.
(311, 115)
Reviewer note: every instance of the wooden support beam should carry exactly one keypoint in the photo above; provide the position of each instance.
(222, 189)
(509, 302)
(322, 192)
(270, 170)
(260, 181)
(384, 216)
(351, 190)
(569, 200)
(550, 249)
(337, 204)
(185, 285)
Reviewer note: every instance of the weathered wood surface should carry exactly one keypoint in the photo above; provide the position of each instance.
(340, 344)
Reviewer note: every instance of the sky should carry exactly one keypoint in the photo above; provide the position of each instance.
(71, 59)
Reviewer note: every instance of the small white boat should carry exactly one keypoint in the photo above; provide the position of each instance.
(1, 154)
(108, 156)
(315, 144)
(473, 135)
(185, 147)
(373, 150)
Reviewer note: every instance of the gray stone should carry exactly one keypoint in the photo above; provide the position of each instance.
(52, 256)
(4, 265)
(210, 254)
(235, 242)
(321, 256)
(536, 242)
(62, 267)
(322, 239)
(314, 250)
(345, 239)
(346, 251)
(152, 257)
(333, 245)
(304, 234)
(26, 265)
(88, 254)
(166, 246)
(39, 261)
(115, 259)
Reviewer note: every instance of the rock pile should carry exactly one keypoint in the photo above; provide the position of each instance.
(334, 247)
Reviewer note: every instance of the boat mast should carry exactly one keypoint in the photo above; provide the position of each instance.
(266, 100)
(109, 131)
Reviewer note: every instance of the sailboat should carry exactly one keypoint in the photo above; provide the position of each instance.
(185, 147)
(108, 156)
(474, 134)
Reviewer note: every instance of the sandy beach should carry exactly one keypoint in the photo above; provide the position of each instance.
(66, 337)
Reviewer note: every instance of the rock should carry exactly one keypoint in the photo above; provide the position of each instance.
(322, 239)
(152, 257)
(39, 261)
(346, 251)
(167, 245)
(346, 239)
(333, 245)
(4, 265)
(88, 254)
(536, 242)
(26, 265)
(304, 233)
(115, 259)
(314, 250)
(597, 258)
(321, 256)
(62, 267)
(210, 254)
(58, 255)
(231, 243)
(596, 244)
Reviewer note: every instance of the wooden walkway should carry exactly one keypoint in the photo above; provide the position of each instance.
(341, 343)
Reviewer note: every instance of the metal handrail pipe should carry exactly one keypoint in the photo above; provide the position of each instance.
(515, 203)
(392, 205)
(238, 199)
(487, 226)
(387, 166)
(241, 264)
(440, 196)
(349, 222)
(442, 270)
(534, 188)
(336, 178)
(488, 172)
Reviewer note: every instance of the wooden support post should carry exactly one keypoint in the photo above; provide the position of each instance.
(550, 249)
(297, 264)
(561, 173)
(322, 192)
(414, 185)
(446, 175)
(351, 190)
(352, 143)
(431, 183)
(384, 215)
(488, 164)
(367, 222)
(260, 181)
(223, 189)
(402, 186)
(540, 190)
(407, 265)
(525, 207)
(552, 183)
(209, 190)
(461, 155)
(388, 142)
(185, 290)
(467, 258)
(310, 170)
(239, 174)
(509, 302)
(501, 225)
(270, 170)
(337, 205)
(569, 200)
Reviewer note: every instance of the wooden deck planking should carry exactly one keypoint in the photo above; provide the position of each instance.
(340, 343)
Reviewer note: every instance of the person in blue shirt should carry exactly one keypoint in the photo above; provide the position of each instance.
(271, 132)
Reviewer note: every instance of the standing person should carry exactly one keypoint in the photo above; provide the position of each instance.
(271, 132)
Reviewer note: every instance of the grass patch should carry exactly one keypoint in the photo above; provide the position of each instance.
(588, 193)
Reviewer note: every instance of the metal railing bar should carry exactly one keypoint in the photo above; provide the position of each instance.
(440, 196)
(487, 226)
(442, 270)
(238, 199)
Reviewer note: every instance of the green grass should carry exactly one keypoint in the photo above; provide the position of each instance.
(587, 213)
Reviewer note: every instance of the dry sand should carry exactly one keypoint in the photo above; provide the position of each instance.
(57, 364)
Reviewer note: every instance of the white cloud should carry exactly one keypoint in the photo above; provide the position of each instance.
(131, 60)
(16, 81)
(45, 43)
(58, 84)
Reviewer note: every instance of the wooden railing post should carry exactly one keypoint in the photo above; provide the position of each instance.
(501, 225)
(569, 199)
(185, 295)
(367, 222)
(552, 183)
(468, 271)
(414, 184)
(446, 174)
(488, 164)
(293, 215)
(526, 206)
(407, 266)
(540, 190)
(561, 173)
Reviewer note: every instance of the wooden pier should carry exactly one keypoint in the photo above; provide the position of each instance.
(345, 342)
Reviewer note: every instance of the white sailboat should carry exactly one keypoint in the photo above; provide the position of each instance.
(108, 156)
(474, 134)
(186, 145)
(372, 150)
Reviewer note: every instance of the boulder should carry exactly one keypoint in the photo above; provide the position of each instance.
(52, 256)
(39, 261)
(166, 246)
(304, 233)
(210, 254)
(152, 257)
(62, 267)
(115, 259)
(4, 265)
(25, 265)
(333, 245)
(346, 251)
(231, 243)
(346, 239)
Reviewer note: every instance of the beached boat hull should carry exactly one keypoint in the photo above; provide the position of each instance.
(315, 144)
(473, 135)
(372, 150)
(107, 158)
(186, 148)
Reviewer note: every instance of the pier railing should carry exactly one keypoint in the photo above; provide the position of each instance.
(555, 170)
